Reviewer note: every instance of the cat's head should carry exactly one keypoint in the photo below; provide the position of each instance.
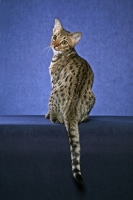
(63, 40)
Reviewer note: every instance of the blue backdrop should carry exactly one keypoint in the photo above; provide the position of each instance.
(107, 44)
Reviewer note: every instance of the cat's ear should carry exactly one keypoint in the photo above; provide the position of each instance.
(57, 26)
(75, 37)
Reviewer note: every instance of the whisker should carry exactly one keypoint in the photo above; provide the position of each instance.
(48, 51)
(46, 48)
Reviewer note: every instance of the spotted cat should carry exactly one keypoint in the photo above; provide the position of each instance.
(71, 99)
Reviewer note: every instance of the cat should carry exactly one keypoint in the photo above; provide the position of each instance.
(71, 99)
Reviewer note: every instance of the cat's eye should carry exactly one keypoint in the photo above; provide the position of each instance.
(64, 42)
(54, 37)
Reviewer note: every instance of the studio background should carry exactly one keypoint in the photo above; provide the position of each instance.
(107, 44)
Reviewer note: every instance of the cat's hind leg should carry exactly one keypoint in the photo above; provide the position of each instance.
(85, 118)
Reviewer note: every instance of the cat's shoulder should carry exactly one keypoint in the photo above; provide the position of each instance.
(81, 60)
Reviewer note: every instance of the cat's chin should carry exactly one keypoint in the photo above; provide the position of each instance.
(56, 52)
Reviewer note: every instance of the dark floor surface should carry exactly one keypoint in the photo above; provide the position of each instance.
(35, 159)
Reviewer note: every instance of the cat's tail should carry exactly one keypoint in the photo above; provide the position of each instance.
(73, 135)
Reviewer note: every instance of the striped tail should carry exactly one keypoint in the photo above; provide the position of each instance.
(73, 135)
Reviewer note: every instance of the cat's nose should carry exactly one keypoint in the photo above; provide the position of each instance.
(52, 45)
(55, 44)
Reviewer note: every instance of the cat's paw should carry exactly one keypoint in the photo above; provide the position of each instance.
(54, 120)
(47, 116)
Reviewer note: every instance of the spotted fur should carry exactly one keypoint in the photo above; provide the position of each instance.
(71, 99)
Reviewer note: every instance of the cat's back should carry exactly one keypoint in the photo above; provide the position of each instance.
(77, 68)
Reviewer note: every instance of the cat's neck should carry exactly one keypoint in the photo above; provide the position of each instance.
(66, 54)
